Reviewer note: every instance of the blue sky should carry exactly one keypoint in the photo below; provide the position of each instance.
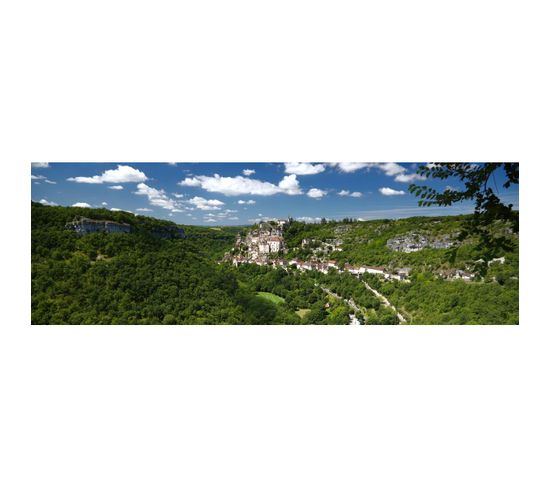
(242, 193)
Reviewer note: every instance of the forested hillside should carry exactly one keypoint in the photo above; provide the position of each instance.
(141, 278)
(133, 278)
(366, 242)
(491, 297)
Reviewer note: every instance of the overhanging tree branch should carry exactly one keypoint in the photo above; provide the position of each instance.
(488, 206)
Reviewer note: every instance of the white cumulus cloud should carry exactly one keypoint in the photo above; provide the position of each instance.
(350, 167)
(316, 193)
(409, 177)
(389, 192)
(390, 169)
(309, 220)
(239, 185)
(40, 165)
(398, 172)
(304, 168)
(394, 170)
(347, 193)
(290, 185)
(46, 202)
(248, 172)
(143, 210)
(205, 204)
(123, 174)
(227, 212)
(157, 198)
(262, 219)
(116, 187)
(42, 178)
(82, 205)
(246, 202)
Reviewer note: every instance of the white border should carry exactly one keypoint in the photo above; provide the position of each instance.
(273, 406)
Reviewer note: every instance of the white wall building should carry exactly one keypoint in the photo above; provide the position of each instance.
(373, 270)
(263, 248)
(274, 244)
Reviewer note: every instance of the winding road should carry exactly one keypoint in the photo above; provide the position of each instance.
(386, 302)
(350, 302)
(355, 308)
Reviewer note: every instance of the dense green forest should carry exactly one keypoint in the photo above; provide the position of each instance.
(139, 278)
(133, 278)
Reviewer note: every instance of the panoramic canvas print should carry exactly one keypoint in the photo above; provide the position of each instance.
(352, 244)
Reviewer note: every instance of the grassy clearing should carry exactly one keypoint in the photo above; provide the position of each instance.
(276, 299)
(301, 312)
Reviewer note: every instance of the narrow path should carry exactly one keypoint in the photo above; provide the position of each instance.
(386, 302)
(349, 302)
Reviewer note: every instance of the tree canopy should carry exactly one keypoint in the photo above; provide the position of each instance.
(480, 186)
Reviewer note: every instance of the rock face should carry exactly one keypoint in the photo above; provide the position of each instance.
(342, 229)
(322, 247)
(413, 242)
(84, 226)
(169, 233)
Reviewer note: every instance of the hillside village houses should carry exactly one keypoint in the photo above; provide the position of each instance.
(456, 274)
(265, 240)
(401, 274)
(261, 244)
(413, 242)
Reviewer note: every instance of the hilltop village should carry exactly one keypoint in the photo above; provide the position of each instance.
(262, 242)
(265, 245)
